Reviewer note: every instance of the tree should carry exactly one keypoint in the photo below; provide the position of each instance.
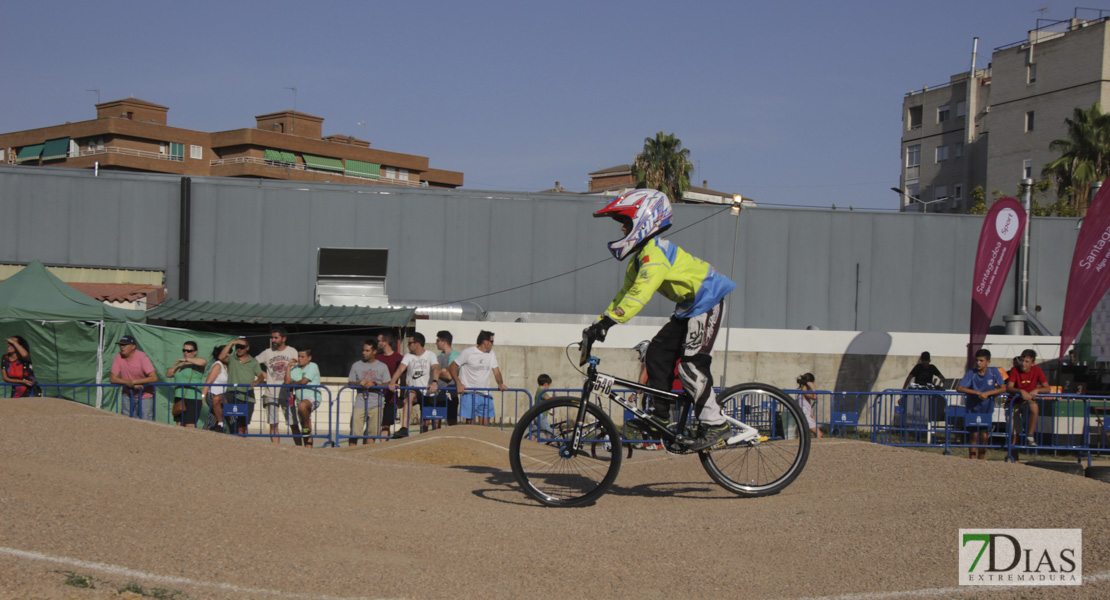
(978, 202)
(1084, 156)
(664, 165)
(1060, 208)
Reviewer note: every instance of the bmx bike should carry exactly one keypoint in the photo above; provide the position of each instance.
(574, 465)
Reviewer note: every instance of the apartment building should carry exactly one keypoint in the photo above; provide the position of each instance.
(133, 135)
(992, 128)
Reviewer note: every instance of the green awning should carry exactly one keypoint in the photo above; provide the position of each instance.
(55, 148)
(358, 168)
(244, 312)
(30, 152)
(279, 156)
(322, 162)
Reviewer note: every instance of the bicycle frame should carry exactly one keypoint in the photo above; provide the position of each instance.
(602, 385)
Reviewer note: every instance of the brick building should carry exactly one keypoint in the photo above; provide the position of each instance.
(133, 135)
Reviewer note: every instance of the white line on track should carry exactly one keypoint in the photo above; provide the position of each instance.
(132, 573)
(949, 592)
(125, 572)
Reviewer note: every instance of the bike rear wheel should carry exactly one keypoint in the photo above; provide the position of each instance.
(546, 465)
(763, 467)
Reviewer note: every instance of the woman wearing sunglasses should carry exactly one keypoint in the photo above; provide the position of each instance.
(188, 374)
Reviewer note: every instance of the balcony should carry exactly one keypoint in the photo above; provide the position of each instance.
(127, 152)
(251, 164)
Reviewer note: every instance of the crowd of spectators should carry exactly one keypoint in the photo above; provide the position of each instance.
(392, 389)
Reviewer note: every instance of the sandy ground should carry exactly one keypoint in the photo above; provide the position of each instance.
(192, 514)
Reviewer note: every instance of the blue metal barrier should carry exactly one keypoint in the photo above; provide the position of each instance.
(1067, 423)
(913, 417)
(508, 403)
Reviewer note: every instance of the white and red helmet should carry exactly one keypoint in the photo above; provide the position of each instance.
(646, 213)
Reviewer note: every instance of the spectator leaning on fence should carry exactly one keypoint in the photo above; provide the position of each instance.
(16, 367)
(423, 371)
(471, 370)
(188, 373)
(923, 374)
(366, 410)
(448, 394)
(242, 370)
(392, 360)
(1026, 382)
(132, 369)
(276, 360)
(215, 389)
(306, 373)
(980, 385)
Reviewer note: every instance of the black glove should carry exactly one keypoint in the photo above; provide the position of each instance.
(598, 330)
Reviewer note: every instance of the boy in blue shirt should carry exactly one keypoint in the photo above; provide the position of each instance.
(980, 384)
(305, 372)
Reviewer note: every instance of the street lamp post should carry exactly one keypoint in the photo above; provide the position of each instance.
(915, 199)
(737, 201)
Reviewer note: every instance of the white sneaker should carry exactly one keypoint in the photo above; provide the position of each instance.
(1029, 441)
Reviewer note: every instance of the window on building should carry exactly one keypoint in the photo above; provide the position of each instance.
(942, 153)
(1031, 72)
(403, 174)
(913, 189)
(942, 114)
(196, 152)
(914, 117)
(1029, 121)
(958, 191)
(177, 151)
(99, 143)
(1027, 168)
(913, 156)
(161, 147)
(940, 192)
(959, 148)
(390, 173)
(961, 109)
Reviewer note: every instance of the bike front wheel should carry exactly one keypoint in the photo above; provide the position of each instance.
(768, 464)
(545, 462)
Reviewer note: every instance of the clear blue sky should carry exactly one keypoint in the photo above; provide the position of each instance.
(792, 103)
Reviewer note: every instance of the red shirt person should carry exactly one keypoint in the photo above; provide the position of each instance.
(1026, 382)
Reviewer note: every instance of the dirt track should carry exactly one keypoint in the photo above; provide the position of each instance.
(438, 516)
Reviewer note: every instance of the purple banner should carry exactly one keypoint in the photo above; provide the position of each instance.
(998, 244)
(1090, 275)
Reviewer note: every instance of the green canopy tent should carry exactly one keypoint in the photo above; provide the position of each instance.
(65, 328)
(72, 337)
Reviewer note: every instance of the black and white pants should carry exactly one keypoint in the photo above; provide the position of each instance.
(688, 342)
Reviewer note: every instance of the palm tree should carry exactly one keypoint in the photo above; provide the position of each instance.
(664, 165)
(1084, 156)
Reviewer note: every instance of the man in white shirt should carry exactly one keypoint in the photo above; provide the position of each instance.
(276, 360)
(423, 370)
(471, 370)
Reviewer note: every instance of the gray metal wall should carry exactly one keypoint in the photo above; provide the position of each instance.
(256, 241)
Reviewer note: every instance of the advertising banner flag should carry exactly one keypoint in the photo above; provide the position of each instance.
(998, 245)
(1090, 268)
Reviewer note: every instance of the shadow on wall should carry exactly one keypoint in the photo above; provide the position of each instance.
(863, 359)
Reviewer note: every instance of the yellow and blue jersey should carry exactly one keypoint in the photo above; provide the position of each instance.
(660, 266)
